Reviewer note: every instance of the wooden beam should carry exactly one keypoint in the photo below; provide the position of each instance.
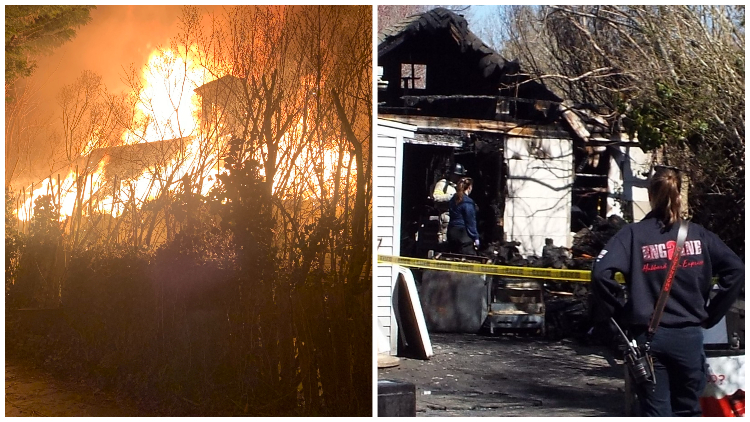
(575, 122)
(478, 125)
(436, 139)
(431, 98)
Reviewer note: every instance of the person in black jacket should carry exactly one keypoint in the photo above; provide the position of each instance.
(462, 228)
(641, 252)
(442, 193)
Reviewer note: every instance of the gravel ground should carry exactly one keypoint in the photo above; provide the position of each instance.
(475, 375)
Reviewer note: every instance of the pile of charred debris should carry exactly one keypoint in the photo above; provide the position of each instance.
(587, 244)
(567, 305)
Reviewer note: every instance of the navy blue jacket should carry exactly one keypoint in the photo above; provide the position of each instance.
(464, 215)
(641, 253)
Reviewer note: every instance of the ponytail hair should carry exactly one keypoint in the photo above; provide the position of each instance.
(461, 187)
(664, 195)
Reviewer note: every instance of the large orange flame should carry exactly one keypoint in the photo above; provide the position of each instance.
(167, 105)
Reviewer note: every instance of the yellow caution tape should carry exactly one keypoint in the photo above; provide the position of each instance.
(576, 276)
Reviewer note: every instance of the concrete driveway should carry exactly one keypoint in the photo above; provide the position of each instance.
(476, 375)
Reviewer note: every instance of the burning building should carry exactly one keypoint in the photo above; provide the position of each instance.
(149, 161)
(178, 145)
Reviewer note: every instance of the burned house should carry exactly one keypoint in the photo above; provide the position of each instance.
(543, 167)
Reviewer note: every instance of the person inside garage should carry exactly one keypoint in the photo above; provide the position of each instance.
(463, 237)
(442, 193)
(641, 252)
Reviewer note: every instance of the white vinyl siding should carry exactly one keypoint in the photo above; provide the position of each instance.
(386, 218)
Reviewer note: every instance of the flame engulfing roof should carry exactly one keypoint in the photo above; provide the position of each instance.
(129, 161)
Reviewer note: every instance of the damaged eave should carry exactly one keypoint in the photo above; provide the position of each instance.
(582, 132)
(437, 139)
(574, 121)
(477, 125)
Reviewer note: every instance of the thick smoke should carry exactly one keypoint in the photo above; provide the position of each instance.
(116, 37)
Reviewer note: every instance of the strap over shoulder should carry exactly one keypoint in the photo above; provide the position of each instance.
(673, 264)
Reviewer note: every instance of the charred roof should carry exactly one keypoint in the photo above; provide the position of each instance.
(436, 28)
(435, 65)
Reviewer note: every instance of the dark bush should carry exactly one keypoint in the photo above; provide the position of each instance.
(38, 269)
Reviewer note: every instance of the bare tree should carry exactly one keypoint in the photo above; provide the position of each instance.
(91, 119)
(23, 126)
(337, 48)
(673, 75)
(390, 15)
(292, 95)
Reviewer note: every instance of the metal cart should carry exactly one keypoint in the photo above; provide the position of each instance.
(515, 305)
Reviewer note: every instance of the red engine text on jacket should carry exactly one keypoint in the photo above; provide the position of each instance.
(665, 250)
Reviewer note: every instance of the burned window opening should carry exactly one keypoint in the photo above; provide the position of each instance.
(590, 187)
(413, 76)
